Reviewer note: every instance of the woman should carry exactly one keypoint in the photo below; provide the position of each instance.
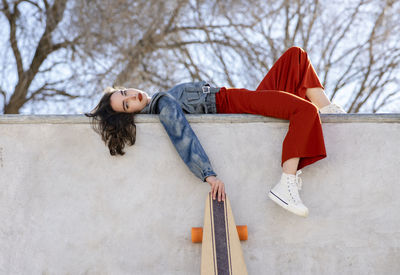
(291, 90)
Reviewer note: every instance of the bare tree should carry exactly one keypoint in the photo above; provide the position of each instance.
(354, 45)
(152, 45)
(32, 52)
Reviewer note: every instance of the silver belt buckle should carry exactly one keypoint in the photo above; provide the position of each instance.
(206, 89)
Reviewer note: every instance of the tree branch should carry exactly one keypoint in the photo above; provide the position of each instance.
(3, 93)
(12, 18)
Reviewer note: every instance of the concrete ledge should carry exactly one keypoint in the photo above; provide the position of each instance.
(214, 118)
(68, 207)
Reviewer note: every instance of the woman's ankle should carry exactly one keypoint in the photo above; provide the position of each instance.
(318, 97)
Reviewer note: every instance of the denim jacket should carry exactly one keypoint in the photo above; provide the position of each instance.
(191, 98)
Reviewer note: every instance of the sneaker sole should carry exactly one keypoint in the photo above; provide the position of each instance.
(286, 206)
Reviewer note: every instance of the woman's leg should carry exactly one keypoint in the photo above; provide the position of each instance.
(293, 73)
(304, 138)
(283, 93)
(318, 97)
(290, 166)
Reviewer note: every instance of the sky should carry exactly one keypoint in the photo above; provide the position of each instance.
(81, 105)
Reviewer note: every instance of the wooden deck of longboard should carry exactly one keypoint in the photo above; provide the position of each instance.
(221, 250)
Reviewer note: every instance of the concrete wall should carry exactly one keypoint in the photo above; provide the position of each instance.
(68, 207)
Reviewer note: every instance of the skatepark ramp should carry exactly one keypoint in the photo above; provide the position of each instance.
(68, 207)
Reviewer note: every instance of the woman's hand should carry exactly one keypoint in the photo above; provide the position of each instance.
(217, 187)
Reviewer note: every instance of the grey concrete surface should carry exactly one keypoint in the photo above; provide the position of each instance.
(68, 207)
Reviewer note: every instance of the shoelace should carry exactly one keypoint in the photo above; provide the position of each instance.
(299, 181)
(292, 182)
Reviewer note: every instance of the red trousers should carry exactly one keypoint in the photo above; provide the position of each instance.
(282, 94)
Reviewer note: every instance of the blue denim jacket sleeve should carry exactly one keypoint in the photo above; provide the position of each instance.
(184, 139)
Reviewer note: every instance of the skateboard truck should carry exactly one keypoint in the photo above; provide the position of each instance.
(197, 233)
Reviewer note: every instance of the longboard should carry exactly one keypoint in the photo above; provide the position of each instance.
(221, 252)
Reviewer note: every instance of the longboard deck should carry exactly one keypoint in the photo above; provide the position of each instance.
(221, 252)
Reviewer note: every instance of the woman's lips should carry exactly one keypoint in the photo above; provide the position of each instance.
(140, 97)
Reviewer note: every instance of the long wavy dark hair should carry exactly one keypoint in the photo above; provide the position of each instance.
(115, 128)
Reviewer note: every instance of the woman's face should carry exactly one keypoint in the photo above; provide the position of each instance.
(128, 101)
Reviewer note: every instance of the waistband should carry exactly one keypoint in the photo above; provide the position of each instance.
(206, 89)
(210, 102)
(210, 99)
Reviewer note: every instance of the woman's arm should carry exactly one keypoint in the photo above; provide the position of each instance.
(184, 139)
(187, 144)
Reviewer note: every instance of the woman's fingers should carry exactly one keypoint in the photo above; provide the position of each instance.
(214, 190)
(218, 188)
(220, 192)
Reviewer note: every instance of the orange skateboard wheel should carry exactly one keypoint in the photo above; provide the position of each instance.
(197, 233)
(242, 232)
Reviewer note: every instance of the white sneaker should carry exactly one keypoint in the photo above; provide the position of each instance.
(332, 109)
(286, 194)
